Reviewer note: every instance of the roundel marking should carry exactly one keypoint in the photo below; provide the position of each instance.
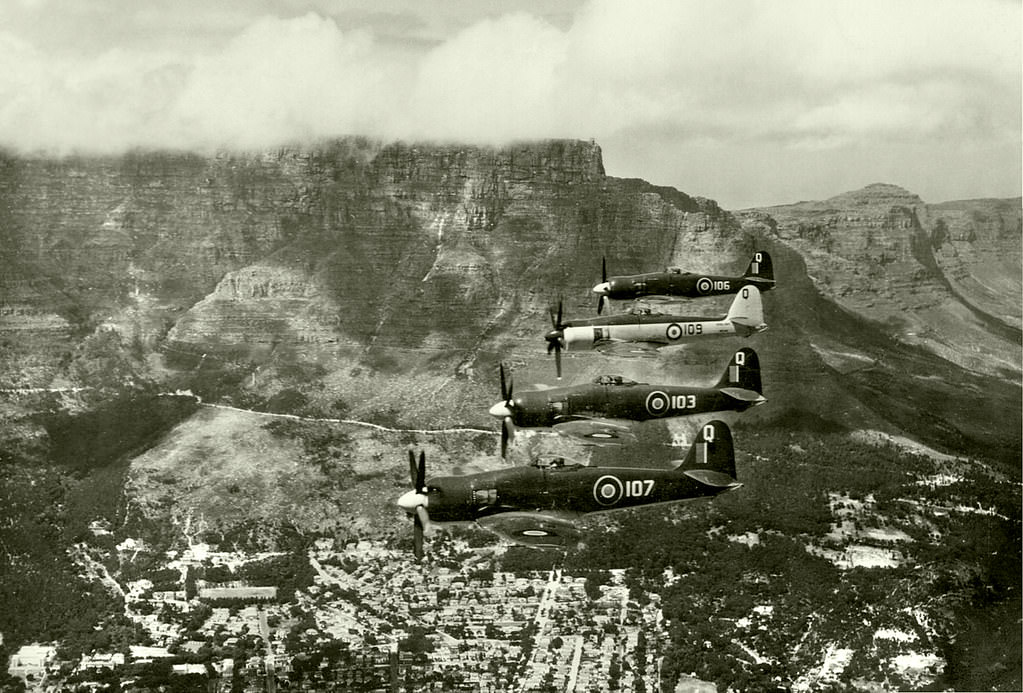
(657, 403)
(607, 490)
(674, 331)
(535, 533)
(703, 285)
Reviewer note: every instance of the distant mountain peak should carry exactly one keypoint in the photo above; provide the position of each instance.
(877, 193)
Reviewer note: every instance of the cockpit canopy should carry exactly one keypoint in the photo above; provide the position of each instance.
(556, 462)
(615, 380)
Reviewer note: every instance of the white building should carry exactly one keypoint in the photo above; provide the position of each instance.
(31, 660)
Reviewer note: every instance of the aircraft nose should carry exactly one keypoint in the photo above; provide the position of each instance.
(500, 410)
(411, 500)
(602, 288)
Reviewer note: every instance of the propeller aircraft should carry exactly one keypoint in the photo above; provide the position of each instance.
(540, 505)
(674, 282)
(604, 410)
(643, 330)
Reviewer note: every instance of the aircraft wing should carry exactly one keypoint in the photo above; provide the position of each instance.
(598, 431)
(618, 347)
(533, 529)
(659, 303)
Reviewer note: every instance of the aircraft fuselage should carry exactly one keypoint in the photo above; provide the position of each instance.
(573, 489)
(682, 284)
(623, 399)
(657, 328)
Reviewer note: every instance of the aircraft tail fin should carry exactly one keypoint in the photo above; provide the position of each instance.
(711, 459)
(741, 378)
(747, 311)
(760, 267)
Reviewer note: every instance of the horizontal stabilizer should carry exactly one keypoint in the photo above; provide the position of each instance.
(743, 395)
(712, 478)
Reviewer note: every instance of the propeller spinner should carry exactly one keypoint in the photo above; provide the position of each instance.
(415, 501)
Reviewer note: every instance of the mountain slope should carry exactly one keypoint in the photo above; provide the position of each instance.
(946, 276)
(390, 279)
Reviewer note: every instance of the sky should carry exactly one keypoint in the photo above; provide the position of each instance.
(747, 102)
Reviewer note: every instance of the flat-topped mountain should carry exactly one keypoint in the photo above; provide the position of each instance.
(334, 305)
(400, 269)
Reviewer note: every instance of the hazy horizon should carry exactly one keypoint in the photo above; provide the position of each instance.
(745, 103)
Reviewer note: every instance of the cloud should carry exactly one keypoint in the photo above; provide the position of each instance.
(496, 80)
(814, 75)
(282, 80)
(750, 70)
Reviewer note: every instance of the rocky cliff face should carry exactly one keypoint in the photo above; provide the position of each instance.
(354, 243)
(388, 280)
(946, 276)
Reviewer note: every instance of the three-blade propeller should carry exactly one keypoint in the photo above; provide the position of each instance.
(556, 338)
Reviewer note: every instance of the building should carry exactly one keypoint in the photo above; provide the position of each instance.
(31, 660)
(691, 684)
(101, 660)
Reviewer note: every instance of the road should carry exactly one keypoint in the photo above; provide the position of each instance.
(264, 631)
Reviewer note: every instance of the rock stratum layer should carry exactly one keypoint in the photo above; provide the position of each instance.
(947, 276)
(352, 243)
(405, 272)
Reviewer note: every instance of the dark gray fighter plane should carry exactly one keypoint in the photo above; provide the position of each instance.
(674, 282)
(604, 410)
(540, 505)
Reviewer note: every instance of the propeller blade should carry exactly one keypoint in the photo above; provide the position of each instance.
(413, 477)
(557, 359)
(423, 518)
(603, 280)
(417, 536)
(504, 386)
(421, 472)
(506, 435)
(556, 323)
